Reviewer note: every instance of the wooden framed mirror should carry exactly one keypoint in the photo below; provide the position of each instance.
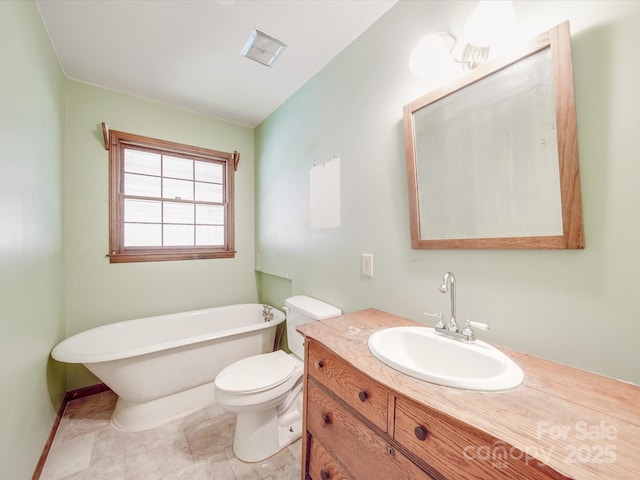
(492, 160)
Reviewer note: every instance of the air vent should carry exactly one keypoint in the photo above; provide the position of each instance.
(262, 48)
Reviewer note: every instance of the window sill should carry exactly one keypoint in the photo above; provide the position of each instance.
(173, 256)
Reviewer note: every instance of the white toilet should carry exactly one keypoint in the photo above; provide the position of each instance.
(265, 391)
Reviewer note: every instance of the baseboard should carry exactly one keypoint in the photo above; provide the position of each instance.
(72, 395)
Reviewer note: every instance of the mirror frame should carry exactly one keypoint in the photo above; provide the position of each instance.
(558, 40)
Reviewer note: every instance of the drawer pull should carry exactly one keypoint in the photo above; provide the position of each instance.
(420, 432)
(319, 364)
(325, 475)
(363, 395)
(326, 420)
(390, 451)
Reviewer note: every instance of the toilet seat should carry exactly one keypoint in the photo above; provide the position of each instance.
(257, 374)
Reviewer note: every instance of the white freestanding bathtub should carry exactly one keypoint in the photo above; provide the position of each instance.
(164, 367)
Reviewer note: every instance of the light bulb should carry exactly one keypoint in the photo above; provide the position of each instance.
(430, 59)
(490, 22)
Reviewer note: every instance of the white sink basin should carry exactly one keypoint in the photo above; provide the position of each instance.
(422, 353)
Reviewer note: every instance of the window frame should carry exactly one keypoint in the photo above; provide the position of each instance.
(118, 252)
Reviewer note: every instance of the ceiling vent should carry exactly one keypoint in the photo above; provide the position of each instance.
(262, 48)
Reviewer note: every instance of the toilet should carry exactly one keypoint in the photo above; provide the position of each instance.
(265, 391)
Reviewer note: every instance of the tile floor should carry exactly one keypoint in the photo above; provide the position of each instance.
(197, 447)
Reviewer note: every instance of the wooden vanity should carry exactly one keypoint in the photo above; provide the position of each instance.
(366, 421)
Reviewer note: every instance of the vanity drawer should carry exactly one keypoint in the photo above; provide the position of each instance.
(355, 388)
(451, 449)
(322, 466)
(364, 453)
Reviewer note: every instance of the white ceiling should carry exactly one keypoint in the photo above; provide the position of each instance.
(186, 53)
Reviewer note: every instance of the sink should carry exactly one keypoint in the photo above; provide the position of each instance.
(422, 353)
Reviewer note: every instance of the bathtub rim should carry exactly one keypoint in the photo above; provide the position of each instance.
(61, 353)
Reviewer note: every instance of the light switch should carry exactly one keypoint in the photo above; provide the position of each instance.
(366, 265)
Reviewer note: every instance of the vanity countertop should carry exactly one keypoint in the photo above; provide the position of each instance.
(583, 425)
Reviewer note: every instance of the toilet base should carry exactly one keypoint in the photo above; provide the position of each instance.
(259, 435)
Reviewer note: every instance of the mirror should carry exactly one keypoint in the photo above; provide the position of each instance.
(492, 160)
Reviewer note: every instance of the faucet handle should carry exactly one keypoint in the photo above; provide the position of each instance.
(480, 326)
(477, 325)
(439, 316)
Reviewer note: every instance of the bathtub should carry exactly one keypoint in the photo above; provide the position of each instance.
(164, 367)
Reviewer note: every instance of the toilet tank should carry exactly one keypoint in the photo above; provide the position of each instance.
(302, 309)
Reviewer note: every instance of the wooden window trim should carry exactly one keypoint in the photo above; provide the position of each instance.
(118, 253)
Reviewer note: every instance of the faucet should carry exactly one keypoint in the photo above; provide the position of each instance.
(449, 285)
(267, 314)
(451, 330)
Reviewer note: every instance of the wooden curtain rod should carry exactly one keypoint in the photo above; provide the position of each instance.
(105, 134)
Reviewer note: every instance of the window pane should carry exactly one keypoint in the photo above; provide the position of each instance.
(210, 214)
(142, 235)
(177, 167)
(142, 211)
(141, 162)
(141, 185)
(209, 235)
(209, 172)
(178, 212)
(208, 192)
(177, 189)
(178, 235)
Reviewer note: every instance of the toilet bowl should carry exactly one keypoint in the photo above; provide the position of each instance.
(265, 391)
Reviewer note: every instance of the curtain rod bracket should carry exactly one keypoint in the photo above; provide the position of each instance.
(105, 134)
(236, 160)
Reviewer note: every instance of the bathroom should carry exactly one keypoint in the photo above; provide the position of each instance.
(574, 307)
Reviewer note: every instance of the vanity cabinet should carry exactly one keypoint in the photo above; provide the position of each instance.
(363, 420)
(358, 429)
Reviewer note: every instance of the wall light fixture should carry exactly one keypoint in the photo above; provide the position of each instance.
(489, 24)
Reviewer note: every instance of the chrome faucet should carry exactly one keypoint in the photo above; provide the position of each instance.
(451, 329)
(449, 285)
(267, 314)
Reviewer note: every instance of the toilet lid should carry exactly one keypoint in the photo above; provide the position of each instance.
(257, 373)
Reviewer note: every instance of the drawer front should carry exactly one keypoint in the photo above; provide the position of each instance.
(363, 453)
(355, 388)
(322, 466)
(453, 449)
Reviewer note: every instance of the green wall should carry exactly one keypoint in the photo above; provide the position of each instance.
(574, 307)
(98, 292)
(31, 251)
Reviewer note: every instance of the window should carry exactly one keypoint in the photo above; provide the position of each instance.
(169, 201)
